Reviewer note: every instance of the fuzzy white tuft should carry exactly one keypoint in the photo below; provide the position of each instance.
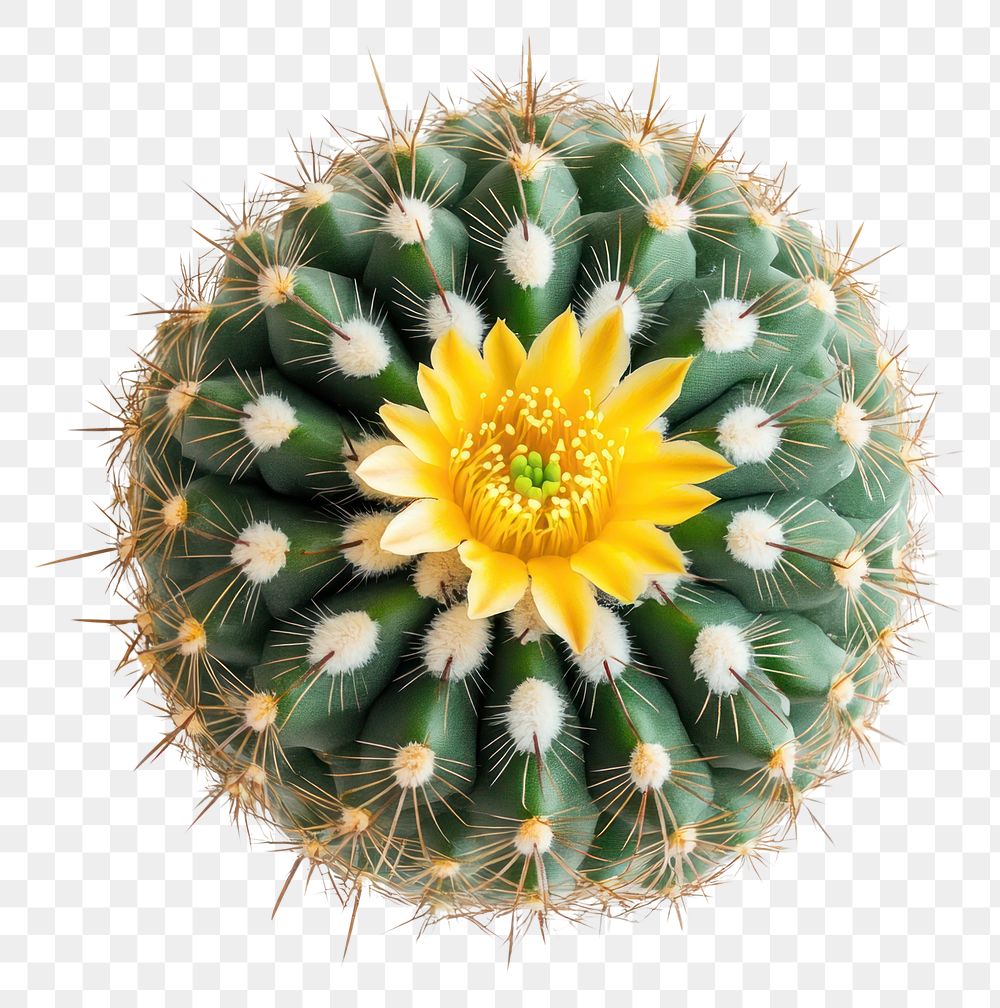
(533, 836)
(821, 295)
(364, 354)
(455, 643)
(649, 766)
(260, 551)
(461, 315)
(406, 223)
(529, 161)
(764, 218)
(842, 691)
(525, 621)
(719, 649)
(850, 569)
(413, 765)
(274, 284)
(744, 437)
(666, 213)
(682, 842)
(535, 712)
(609, 649)
(609, 295)
(314, 194)
(191, 639)
(343, 643)
(444, 868)
(749, 535)
(782, 761)
(260, 711)
(727, 327)
(269, 421)
(355, 820)
(888, 364)
(181, 396)
(850, 424)
(441, 576)
(530, 260)
(363, 537)
(660, 585)
(174, 512)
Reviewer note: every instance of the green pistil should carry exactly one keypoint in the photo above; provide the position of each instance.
(533, 478)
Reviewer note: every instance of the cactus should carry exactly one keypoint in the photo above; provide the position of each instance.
(516, 512)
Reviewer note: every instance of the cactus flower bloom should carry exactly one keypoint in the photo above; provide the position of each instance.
(546, 468)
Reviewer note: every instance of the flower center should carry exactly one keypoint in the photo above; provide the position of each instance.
(537, 477)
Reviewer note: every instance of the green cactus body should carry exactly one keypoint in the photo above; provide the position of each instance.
(587, 733)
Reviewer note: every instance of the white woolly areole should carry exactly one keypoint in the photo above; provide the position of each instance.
(667, 212)
(850, 568)
(355, 820)
(174, 511)
(782, 761)
(821, 295)
(717, 650)
(660, 585)
(269, 421)
(682, 842)
(649, 766)
(609, 649)
(533, 836)
(441, 576)
(260, 551)
(888, 364)
(413, 765)
(534, 710)
(525, 621)
(260, 711)
(842, 691)
(407, 222)
(362, 538)
(608, 295)
(461, 315)
(364, 354)
(529, 161)
(274, 284)
(744, 437)
(764, 218)
(180, 397)
(748, 538)
(727, 327)
(314, 194)
(191, 639)
(530, 260)
(455, 644)
(343, 643)
(850, 424)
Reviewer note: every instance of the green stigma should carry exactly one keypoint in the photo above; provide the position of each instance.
(534, 478)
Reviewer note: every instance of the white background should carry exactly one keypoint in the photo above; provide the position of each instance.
(883, 112)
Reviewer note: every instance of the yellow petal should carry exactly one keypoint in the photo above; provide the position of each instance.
(464, 374)
(637, 499)
(426, 526)
(564, 599)
(625, 555)
(417, 430)
(498, 579)
(554, 358)
(504, 354)
(604, 354)
(437, 400)
(645, 393)
(676, 462)
(397, 471)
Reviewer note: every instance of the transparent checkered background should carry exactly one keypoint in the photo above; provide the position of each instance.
(883, 110)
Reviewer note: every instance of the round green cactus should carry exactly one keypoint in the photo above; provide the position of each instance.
(517, 509)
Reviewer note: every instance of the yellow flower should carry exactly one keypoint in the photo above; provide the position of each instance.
(545, 468)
